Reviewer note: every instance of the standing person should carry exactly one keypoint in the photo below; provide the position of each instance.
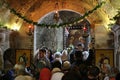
(57, 57)
(21, 73)
(56, 70)
(64, 55)
(66, 66)
(93, 73)
(80, 47)
(71, 56)
(45, 73)
(9, 75)
(117, 77)
(71, 75)
(49, 55)
(42, 58)
(78, 58)
(105, 72)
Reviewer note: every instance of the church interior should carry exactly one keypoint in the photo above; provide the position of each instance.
(28, 25)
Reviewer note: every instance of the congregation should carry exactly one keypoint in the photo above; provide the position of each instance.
(76, 64)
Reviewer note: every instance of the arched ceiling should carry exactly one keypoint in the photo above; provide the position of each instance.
(36, 9)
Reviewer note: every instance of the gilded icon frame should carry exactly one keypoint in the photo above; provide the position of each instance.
(109, 53)
(20, 52)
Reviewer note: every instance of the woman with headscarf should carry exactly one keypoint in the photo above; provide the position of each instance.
(45, 73)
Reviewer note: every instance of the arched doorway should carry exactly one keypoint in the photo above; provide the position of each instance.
(79, 33)
(55, 38)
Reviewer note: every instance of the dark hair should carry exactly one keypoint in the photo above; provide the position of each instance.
(117, 77)
(93, 71)
(50, 57)
(80, 44)
(78, 55)
(43, 50)
(71, 75)
(56, 64)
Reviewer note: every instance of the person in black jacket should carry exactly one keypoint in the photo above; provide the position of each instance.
(92, 73)
(117, 77)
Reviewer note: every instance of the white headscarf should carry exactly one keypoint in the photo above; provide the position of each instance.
(85, 55)
(57, 56)
(57, 76)
(64, 55)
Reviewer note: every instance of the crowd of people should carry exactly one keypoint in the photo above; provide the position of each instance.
(76, 64)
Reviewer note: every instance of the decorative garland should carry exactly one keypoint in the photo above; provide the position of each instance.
(77, 20)
(117, 15)
(115, 18)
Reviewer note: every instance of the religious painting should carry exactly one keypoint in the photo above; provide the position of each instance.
(23, 56)
(104, 56)
(76, 37)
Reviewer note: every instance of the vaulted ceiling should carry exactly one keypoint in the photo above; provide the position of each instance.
(35, 9)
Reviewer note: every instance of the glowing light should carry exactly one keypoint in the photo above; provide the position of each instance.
(107, 28)
(15, 26)
(30, 30)
(84, 28)
(56, 12)
(56, 15)
(29, 26)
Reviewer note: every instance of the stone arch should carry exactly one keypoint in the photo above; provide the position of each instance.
(53, 37)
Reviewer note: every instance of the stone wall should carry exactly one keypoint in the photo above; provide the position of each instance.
(51, 38)
(9, 42)
(116, 31)
(103, 40)
(4, 44)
